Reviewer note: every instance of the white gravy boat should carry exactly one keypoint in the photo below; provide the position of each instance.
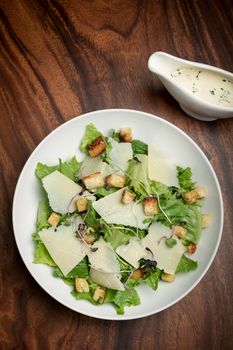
(164, 65)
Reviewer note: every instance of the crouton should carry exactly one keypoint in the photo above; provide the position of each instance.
(206, 218)
(81, 204)
(167, 277)
(201, 192)
(54, 219)
(81, 285)
(126, 135)
(191, 248)
(192, 196)
(127, 196)
(150, 206)
(94, 181)
(88, 236)
(97, 147)
(179, 231)
(116, 180)
(99, 295)
(137, 274)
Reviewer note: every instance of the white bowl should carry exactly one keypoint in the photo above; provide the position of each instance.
(163, 64)
(63, 143)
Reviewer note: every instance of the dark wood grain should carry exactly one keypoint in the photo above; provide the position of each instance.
(59, 59)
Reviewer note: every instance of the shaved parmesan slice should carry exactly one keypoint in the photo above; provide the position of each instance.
(108, 280)
(132, 252)
(106, 169)
(104, 258)
(167, 258)
(156, 232)
(113, 211)
(61, 190)
(66, 250)
(92, 165)
(160, 168)
(120, 154)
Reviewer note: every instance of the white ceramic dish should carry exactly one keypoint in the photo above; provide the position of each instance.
(163, 64)
(63, 143)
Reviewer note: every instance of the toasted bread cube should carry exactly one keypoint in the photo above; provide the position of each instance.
(126, 135)
(127, 196)
(192, 196)
(81, 285)
(201, 192)
(179, 231)
(191, 248)
(53, 220)
(94, 181)
(137, 274)
(150, 206)
(88, 237)
(81, 204)
(99, 295)
(97, 147)
(116, 180)
(206, 218)
(167, 277)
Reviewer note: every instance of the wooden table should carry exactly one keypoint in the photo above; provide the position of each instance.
(63, 58)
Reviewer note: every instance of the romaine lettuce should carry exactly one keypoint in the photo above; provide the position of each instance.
(91, 133)
(42, 255)
(81, 270)
(185, 178)
(178, 211)
(43, 214)
(139, 147)
(69, 169)
(137, 179)
(102, 192)
(186, 264)
(91, 218)
(121, 299)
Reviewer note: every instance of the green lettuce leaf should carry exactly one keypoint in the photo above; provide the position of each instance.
(106, 155)
(115, 135)
(91, 218)
(69, 169)
(185, 178)
(160, 189)
(91, 133)
(139, 147)
(84, 296)
(178, 211)
(102, 192)
(43, 170)
(42, 255)
(116, 236)
(137, 178)
(43, 214)
(81, 270)
(186, 264)
(153, 278)
(121, 299)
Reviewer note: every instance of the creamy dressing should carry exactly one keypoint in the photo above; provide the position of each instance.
(210, 86)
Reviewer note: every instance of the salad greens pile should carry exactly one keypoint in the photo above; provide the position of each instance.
(114, 237)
